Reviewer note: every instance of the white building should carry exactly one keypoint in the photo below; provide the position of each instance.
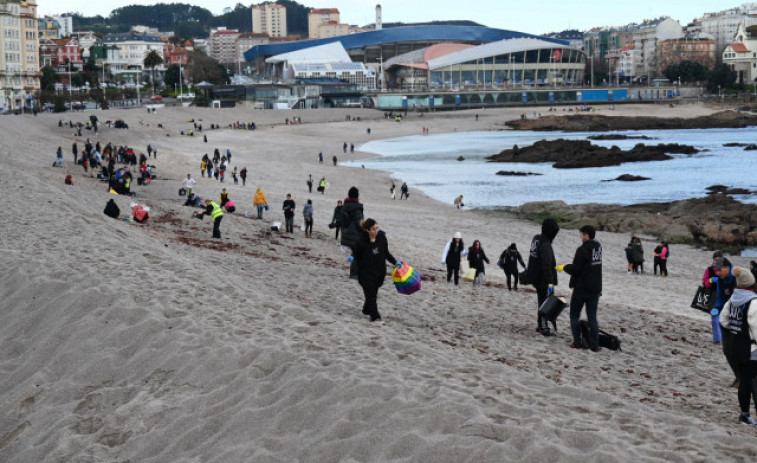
(19, 64)
(66, 22)
(223, 45)
(329, 61)
(723, 25)
(646, 38)
(132, 49)
(741, 54)
(270, 19)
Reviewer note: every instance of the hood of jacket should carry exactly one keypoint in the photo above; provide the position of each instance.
(549, 229)
(742, 296)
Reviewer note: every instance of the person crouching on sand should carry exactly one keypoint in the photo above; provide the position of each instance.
(370, 252)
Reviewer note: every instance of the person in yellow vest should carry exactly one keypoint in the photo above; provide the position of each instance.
(322, 185)
(214, 210)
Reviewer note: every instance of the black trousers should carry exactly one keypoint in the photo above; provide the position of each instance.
(453, 270)
(663, 267)
(289, 222)
(514, 274)
(748, 386)
(727, 338)
(217, 227)
(308, 227)
(657, 261)
(541, 296)
(337, 231)
(370, 291)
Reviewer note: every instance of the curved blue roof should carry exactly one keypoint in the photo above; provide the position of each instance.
(398, 34)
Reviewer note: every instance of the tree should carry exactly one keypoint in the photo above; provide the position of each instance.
(49, 78)
(153, 60)
(172, 76)
(687, 71)
(721, 78)
(204, 68)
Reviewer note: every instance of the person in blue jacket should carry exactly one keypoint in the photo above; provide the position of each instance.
(726, 284)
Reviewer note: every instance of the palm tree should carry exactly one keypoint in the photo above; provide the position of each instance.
(152, 60)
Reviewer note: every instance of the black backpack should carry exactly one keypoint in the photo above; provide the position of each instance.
(606, 340)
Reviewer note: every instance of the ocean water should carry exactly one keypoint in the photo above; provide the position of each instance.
(430, 164)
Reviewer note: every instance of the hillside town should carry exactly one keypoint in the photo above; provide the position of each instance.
(52, 63)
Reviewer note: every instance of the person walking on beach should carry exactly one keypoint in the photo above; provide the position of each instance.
(288, 208)
(59, 157)
(586, 281)
(334, 159)
(243, 175)
(629, 256)
(393, 190)
(739, 317)
(307, 215)
(188, 184)
(350, 222)
(260, 202)
(709, 281)
(75, 150)
(309, 182)
(404, 191)
(344, 148)
(322, 185)
(459, 202)
(656, 255)
(336, 217)
(476, 259)
(509, 259)
(453, 252)
(726, 285)
(320, 158)
(664, 255)
(541, 271)
(214, 210)
(369, 252)
(638, 256)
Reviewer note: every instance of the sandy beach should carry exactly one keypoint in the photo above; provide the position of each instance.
(156, 343)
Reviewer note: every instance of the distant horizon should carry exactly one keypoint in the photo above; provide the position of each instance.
(536, 17)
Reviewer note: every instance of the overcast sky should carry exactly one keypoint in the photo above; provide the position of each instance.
(532, 16)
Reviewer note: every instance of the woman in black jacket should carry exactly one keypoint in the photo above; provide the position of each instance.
(370, 252)
(451, 256)
(476, 259)
(509, 259)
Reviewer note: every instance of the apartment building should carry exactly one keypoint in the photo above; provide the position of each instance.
(698, 47)
(270, 19)
(723, 25)
(126, 54)
(19, 62)
(646, 39)
(324, 23)
(223, 45)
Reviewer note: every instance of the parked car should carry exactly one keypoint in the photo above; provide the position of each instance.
(157, 98)
(186, 96)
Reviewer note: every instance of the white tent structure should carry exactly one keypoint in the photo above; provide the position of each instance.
(329, 61)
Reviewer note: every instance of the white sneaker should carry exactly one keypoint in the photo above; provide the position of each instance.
(747, 419)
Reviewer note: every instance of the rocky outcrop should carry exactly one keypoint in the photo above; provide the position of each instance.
(717, 221)
(568, 154)
(596, 123)
(618, 136)
(511, 173)
(627, 178)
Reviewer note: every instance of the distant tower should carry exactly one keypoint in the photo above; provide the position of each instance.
(378, 17)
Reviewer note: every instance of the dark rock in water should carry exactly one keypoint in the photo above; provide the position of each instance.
(460, 158)
(751, 148)
(627, 178)
(512, 173)
(619, 136)
(568, 154)
(726, 190)
(735, 145)
(716, 220)
(596, 123)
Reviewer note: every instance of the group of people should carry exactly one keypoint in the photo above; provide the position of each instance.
(635, 257)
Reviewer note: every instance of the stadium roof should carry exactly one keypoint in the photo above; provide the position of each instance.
(328, 53)
(493, 49)
(397, 34)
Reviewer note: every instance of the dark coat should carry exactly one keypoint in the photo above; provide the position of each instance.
(288, 208)
(586, 270)
(370, 257)
(541, 258)
(510, 260)
(476, 259)
(452, 258)
(352, 217)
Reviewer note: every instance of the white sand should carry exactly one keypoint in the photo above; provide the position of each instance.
(155, 343)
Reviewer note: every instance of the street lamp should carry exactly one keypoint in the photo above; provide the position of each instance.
(70, 95)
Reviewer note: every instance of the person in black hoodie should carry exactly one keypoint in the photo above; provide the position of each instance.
(509, 260)
(451, 256)
(586, 281)
(352, 217)
(541, 269)
(370, 252)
